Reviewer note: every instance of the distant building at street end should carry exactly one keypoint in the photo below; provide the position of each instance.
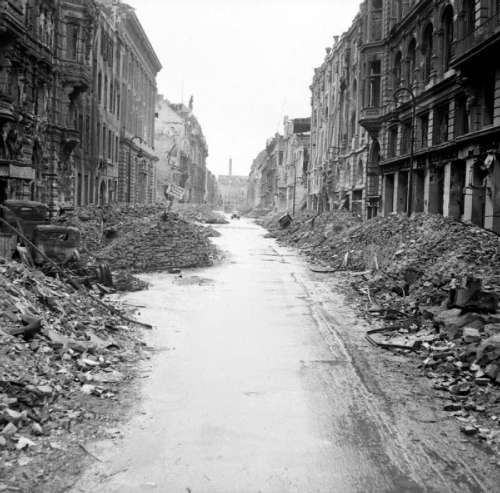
(278, 176)
(182, 152)
(233, 191)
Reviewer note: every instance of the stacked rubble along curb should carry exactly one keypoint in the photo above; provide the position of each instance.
(164, 243)
(406, 268)
(141, 238)
(200, 213)
(50, 377)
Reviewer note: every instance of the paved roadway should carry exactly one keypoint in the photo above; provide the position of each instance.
(255, 390)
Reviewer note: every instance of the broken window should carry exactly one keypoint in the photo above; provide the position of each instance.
(461, 119)
(375, 20)
(468, 17)
(488, 98)
(441, 120)
(405, 137)
(397, 69)
(412, 62)
(447, 21)
(72, 32)
(393, 141)
(427, 50)
(424, 129)
(375, 79)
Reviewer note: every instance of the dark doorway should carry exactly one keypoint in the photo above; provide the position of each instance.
(457, 185)
(478, 194)
(388, 194)
(436, 190)
(402, 191)
(418, 190)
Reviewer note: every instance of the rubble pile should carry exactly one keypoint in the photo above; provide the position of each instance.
(308, 230)
(142, 238)
(435, 284)
(59, 348)
(100, 225)
(416, 257)
(163, 243)
(199, 213)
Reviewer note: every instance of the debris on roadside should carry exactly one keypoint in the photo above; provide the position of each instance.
(159, 245)
(58, 347)
(434, 283)
(199, 213)
(145, 238)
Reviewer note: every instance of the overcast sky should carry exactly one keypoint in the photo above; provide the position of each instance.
(246, 62)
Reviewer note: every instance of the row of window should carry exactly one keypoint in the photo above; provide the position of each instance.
(469, 115)
(107, 143)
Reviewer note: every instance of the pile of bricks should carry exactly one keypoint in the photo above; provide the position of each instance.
(166, 243)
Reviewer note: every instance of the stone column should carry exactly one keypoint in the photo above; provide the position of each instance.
(427, 189)
(447, 190)
(469, 170)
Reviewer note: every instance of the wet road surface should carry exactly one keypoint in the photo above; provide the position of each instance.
(252, 391)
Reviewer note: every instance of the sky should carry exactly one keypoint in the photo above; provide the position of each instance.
(247, 63)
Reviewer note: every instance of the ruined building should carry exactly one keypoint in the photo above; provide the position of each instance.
(278, 176)
(406, 112)
(182, 151)
(297, 140)
(338, 171)
(445, 53)
(71, 75)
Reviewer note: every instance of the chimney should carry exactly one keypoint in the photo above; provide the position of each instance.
(230, 166)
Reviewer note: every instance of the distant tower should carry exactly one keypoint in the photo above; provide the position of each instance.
(230, 166)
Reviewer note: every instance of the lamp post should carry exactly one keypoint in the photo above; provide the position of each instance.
(397, 93)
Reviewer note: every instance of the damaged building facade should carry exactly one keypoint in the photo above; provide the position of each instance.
(277, 179)
(439, 140)
(338, 172)
(182, 151)
(406, 113)
(62, 102)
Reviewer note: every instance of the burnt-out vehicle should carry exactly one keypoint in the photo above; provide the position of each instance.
(32, 219)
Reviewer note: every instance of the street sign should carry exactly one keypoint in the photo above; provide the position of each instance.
(174, 190)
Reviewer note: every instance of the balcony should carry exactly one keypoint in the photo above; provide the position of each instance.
(371, 119)
(481, 41)
(76, 74)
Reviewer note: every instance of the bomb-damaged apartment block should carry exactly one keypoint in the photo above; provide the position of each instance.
(77, 103)
(406, 112)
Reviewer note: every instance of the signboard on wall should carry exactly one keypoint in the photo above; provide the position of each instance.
(175, 191)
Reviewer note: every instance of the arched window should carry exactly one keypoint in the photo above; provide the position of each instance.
(447, 22)
(397, 69)
(412, 62)
(427, 50)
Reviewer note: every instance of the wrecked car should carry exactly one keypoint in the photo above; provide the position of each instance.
(31, 219)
